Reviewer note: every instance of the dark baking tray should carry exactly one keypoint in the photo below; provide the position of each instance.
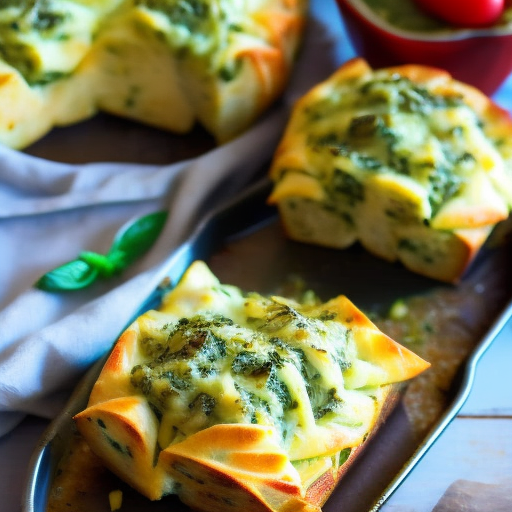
(244, 245)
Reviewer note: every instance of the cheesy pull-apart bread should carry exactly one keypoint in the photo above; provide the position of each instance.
(414, 165)
(236, 401)
(166, 63)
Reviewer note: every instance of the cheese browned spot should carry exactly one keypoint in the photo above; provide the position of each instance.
(414, 165)
(233, 399)
(166, 63)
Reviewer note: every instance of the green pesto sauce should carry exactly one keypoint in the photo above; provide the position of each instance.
(194, 15)
(187, 360)
(4, 4)
(406, 15)
(197, 29)
(373, 144)
(19, 20)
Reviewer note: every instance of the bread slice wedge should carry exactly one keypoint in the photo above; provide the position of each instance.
(236, 401)
(164, 63)
(412, 164)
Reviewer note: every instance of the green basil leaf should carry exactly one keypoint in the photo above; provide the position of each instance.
(118, 259)
(139, 236)
(130, 243)
(74, 275)
(100, 262)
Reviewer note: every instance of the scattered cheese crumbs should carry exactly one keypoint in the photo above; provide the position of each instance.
(116, 499)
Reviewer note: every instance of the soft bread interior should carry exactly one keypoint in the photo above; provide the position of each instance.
(123, 433)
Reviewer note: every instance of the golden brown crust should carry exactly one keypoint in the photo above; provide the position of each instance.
(122, 432)
(114, 379)
(397, 362)
(235, 467)
(320, 491)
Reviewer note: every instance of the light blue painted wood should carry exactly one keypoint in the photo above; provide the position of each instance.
(491, 394)
(476, 449)
(503, 95)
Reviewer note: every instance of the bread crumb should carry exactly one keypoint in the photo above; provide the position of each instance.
(116, 499)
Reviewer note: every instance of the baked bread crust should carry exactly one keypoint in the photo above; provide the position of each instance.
(237, 461)
(221, 64)
(430, 201)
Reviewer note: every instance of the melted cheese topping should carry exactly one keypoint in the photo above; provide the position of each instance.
(47, 39)
(166, 63)
(432, 146)
(388, 156)
(215, 355)
(219, 385)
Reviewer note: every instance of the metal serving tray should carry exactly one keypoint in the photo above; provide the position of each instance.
(244, 245)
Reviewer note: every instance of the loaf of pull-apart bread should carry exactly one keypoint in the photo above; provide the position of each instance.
(166, 63)
(414, 165)
(238, 401)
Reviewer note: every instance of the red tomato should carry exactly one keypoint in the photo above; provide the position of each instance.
(469, 13)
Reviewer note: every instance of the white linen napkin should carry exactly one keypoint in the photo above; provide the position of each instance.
(51, 211)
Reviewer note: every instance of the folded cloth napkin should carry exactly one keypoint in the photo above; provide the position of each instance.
(51, 211)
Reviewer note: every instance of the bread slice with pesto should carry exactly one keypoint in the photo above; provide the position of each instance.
(238, 401)
(166, 63)
(414, 165)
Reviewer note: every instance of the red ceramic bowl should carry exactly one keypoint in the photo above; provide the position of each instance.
(479, 57)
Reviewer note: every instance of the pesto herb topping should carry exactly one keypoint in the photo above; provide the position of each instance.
(33, 32)
(214, 370)
(391, 125)
(37, 36)
(204, 31)
(193, 15)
